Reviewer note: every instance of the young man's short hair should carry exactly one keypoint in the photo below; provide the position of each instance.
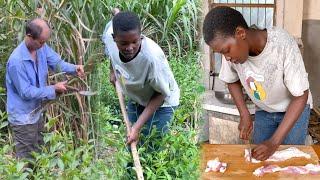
(222, 21)
(125, 21)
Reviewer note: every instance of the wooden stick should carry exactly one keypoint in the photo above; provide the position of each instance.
(133, 145)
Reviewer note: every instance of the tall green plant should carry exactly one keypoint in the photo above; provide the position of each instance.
(172, 24)
(76, 36)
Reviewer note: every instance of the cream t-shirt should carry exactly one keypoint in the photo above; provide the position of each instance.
(147, 73)
(275, 76)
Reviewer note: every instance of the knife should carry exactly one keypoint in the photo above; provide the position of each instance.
(248, 144)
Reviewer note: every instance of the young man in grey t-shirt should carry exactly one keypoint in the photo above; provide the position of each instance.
(268, 64)
(143, 71)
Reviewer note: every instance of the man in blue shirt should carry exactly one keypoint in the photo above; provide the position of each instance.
(26, 81)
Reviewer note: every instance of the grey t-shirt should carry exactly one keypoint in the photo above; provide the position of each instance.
(272, 78)
(148, 72)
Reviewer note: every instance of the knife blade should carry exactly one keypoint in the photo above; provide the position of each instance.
(248, 144)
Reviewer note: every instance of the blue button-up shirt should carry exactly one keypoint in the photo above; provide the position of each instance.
(26, 82)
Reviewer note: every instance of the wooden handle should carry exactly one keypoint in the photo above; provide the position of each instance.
(133, 145)
(123, 107)
(136, 160)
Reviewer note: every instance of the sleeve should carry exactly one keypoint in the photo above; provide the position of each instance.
(227, 73)
(106, 36)
(24, 88)
(57, 64)
(159, 76)
(295, 75)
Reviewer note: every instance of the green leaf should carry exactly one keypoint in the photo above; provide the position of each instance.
(19, 166)
(60, 164)
(4, 124)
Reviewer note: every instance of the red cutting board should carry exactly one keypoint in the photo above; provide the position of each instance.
(239, 169)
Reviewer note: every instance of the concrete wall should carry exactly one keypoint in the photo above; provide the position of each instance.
(311, 42)
(292, 17)
(205, 48)
(311, 9)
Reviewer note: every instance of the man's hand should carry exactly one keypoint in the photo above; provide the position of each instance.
(264, 150)
(133, 135)
(60, 87)
(245, 127)
(80, 71)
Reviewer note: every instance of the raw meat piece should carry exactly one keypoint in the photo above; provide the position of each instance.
(216, 165)
(266, 169)
(280, 155)
(307, 169)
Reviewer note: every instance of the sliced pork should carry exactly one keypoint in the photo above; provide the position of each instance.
(216, 166)
(280, 155)
(307, 169)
